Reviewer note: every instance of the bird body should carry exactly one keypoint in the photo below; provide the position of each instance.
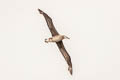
(57, 38)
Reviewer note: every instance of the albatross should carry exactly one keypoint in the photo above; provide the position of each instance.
(57, 38)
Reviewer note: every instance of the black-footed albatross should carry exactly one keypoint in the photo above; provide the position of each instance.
(57, 38)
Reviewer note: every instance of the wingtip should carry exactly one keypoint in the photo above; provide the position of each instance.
(70, 70)
(40, 11)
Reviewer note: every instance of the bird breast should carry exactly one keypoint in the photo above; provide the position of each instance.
(57, 38)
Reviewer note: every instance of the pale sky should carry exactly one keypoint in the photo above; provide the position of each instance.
(94, 46)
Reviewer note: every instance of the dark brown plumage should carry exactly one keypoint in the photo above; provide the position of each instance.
(59, 44)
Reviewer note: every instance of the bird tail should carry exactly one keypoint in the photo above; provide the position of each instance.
(66, 37)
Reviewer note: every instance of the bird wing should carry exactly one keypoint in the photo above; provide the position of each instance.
(49, 23)
(65, 55)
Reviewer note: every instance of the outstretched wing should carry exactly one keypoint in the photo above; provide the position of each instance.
(66, 55)
(49, 23)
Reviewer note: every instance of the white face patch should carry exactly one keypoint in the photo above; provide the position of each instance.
(50, 39)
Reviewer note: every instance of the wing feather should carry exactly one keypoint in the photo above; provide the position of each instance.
(65, 55)
(49, 23)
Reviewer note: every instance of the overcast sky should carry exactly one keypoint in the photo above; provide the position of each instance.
(94, 46)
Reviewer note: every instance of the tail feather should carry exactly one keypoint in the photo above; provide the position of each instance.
(66, 37)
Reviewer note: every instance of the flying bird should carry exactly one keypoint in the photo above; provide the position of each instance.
(57, 38)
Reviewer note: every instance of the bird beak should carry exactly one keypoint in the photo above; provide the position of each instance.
(46, 41)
